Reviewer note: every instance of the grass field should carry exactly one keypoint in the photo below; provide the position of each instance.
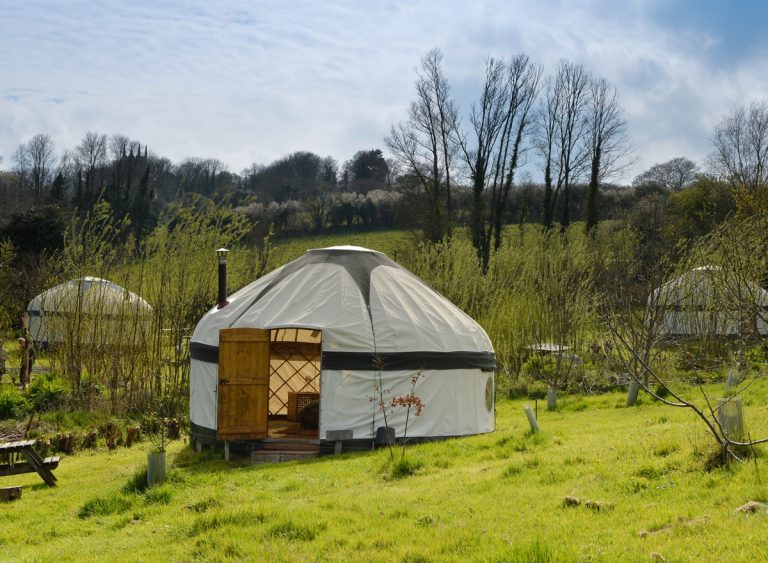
(388, 242)
(496, 497)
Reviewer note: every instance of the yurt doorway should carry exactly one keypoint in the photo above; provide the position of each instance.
(294, 383)
(269, 384)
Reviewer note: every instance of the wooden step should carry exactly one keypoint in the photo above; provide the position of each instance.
(277, 456)
(295, 447)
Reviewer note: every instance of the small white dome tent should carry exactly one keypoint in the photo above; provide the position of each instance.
(695, 304)
(332, 314)
(98, 299)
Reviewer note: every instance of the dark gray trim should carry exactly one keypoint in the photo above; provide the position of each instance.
(204, 352)
(366, 361)
(398, 361)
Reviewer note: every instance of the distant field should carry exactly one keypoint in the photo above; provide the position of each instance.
(497, 497)
(388, 242)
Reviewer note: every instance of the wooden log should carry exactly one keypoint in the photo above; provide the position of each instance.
(8, 494)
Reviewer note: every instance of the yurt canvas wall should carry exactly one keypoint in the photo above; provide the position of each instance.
(366, 308)
(91, 307)
(696, 304)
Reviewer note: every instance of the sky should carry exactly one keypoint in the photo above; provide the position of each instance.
(251, 81)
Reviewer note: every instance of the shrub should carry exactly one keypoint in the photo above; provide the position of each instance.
(47, 392)
(13, 404)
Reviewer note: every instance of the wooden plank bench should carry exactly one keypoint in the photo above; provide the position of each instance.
(12, 453)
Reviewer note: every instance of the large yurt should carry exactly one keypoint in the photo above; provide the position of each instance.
(344, 330)
(91, 306)
(700, 303)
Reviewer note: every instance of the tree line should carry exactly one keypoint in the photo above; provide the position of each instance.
(445, 167)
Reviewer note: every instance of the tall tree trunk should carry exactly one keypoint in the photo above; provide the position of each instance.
(592, 218)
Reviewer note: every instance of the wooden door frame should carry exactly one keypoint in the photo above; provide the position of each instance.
(245, 398)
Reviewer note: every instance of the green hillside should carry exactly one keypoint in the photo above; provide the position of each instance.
(497, 497)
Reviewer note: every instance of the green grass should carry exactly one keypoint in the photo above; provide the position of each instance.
(496, 497)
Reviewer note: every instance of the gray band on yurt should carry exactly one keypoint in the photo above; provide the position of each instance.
(366, 361)
(397, 361)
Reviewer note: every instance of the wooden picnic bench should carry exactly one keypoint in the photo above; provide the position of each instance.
(21, 457)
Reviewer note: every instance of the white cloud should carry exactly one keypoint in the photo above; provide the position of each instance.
(245, 81)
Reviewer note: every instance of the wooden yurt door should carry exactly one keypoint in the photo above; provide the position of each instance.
(243, 395)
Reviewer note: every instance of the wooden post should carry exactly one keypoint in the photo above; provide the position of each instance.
(531, 418)
(24, 347)
(226, 450)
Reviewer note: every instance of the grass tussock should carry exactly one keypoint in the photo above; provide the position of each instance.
(405, 468)
(292, 531)
(105, 506)
(242, 518)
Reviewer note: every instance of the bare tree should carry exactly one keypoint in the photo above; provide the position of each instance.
(425, 145)
(41, 160)
(118, 146)
(608, 142)
(92, 154)
(21, 165)
(499, 123)
(561, 143)
(741, 146)
(674, 174)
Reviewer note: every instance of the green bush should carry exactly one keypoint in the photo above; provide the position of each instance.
(47, 392)
(13, 404)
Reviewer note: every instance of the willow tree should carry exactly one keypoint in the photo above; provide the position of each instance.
(559, 281)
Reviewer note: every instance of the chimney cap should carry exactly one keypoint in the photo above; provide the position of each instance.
(221, 251)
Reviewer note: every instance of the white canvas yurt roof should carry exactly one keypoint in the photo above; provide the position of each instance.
(89, 296)
(366, 306)
(694, 303)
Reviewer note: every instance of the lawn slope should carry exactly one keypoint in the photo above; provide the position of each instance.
(497, 497)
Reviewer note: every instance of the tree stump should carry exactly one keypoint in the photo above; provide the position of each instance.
(131, 436)
(8, 494)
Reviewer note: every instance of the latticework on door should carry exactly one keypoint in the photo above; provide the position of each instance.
(294, 366)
